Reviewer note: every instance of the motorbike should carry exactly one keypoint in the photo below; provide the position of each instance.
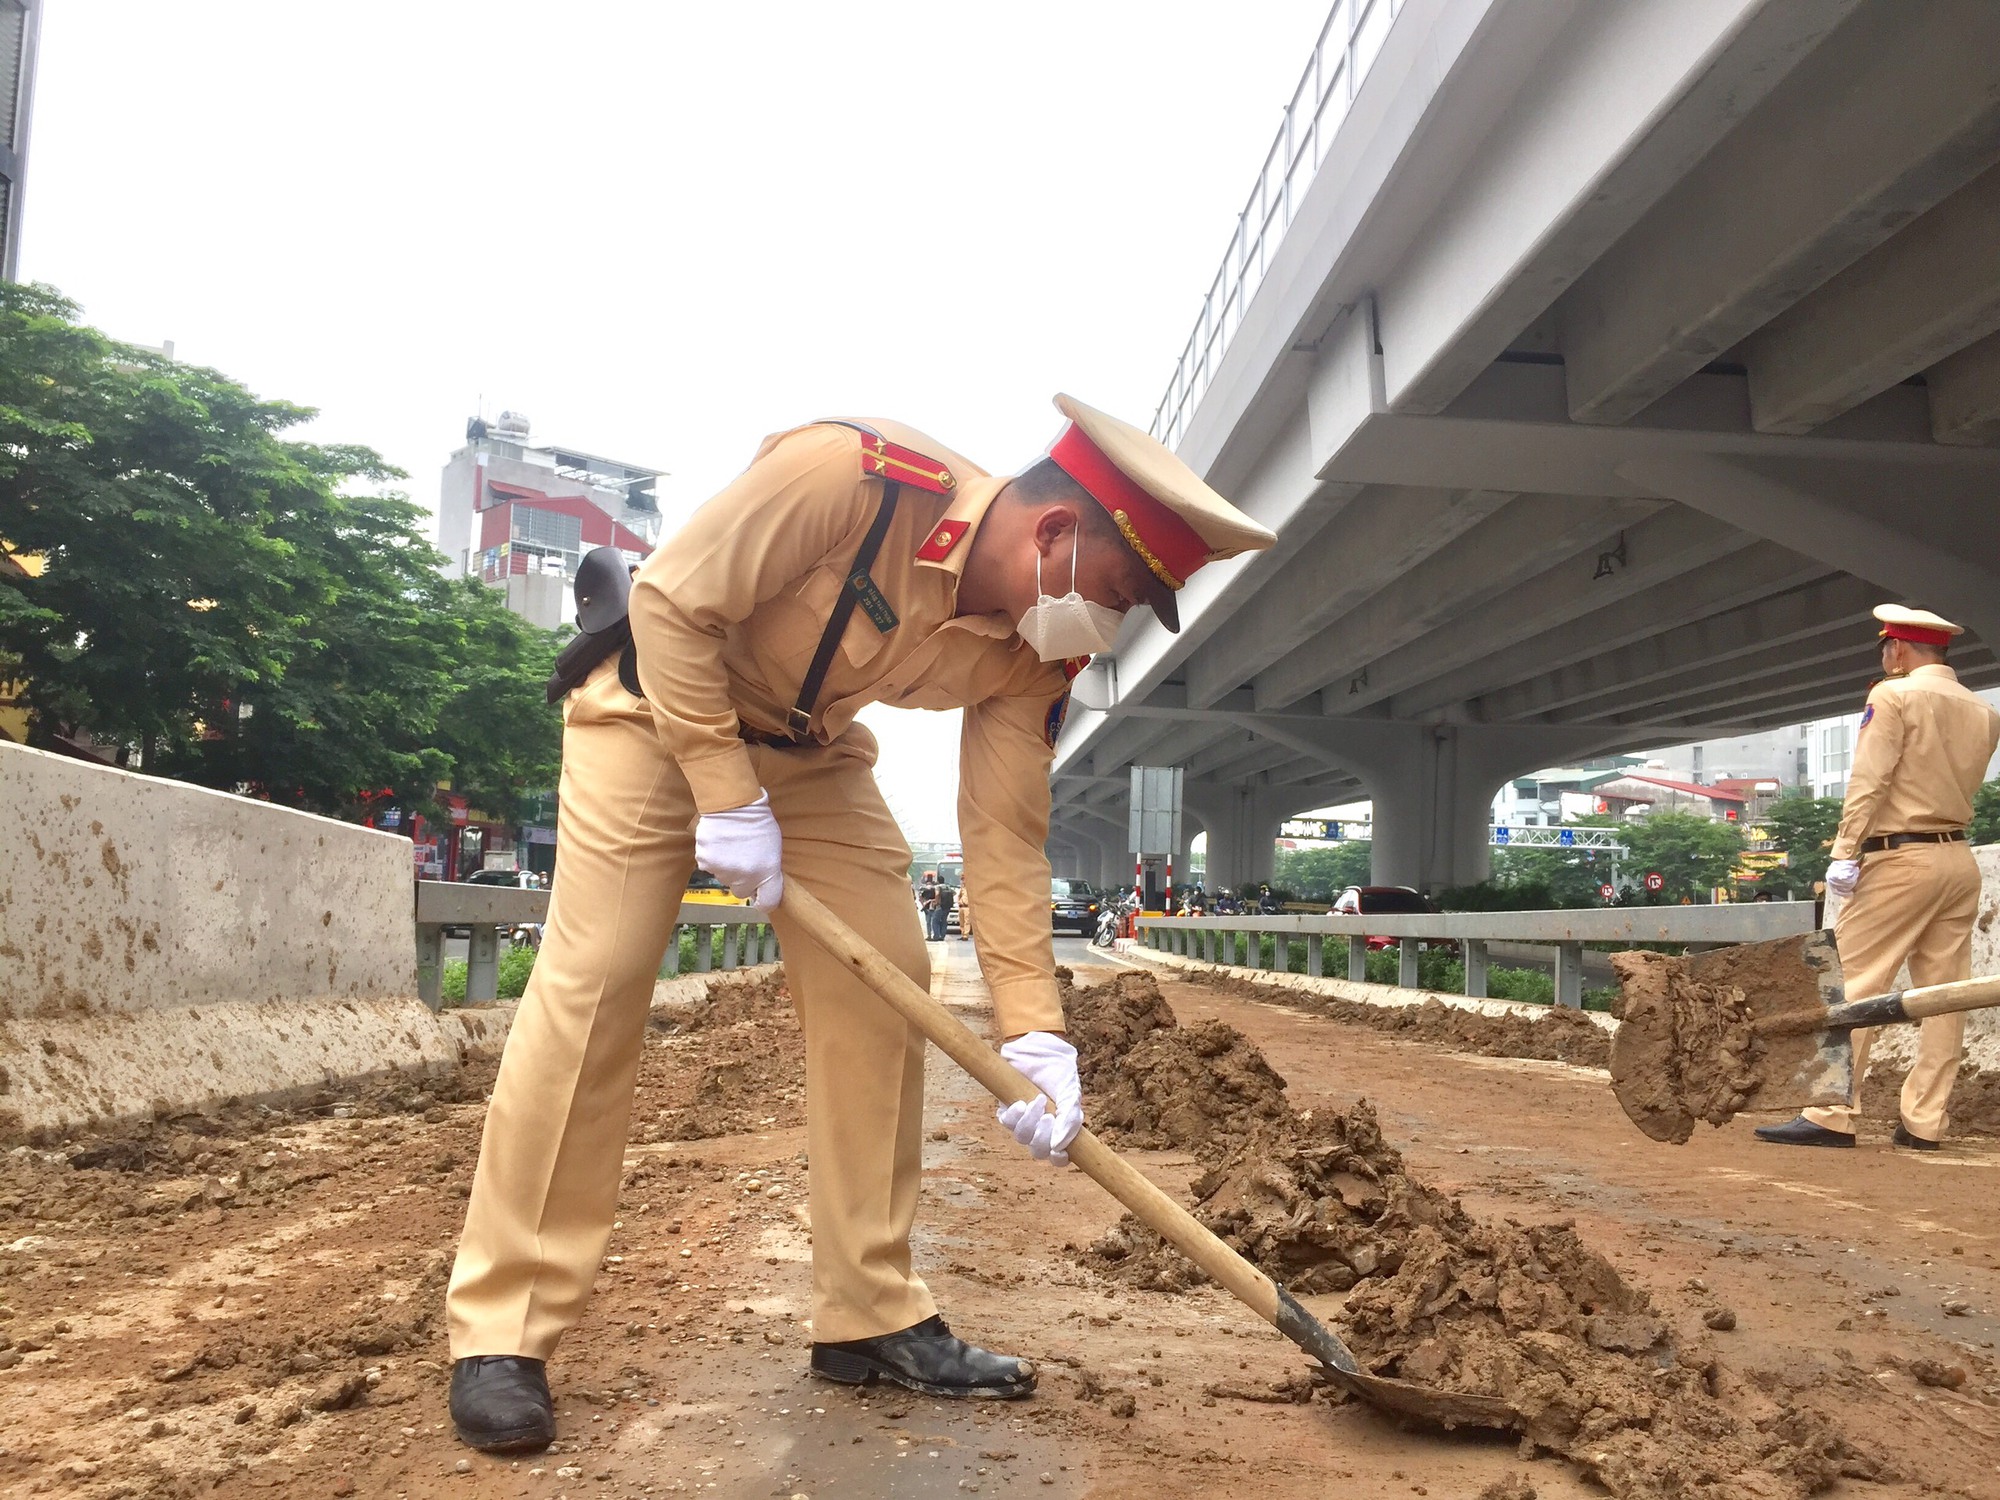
(1111, 920)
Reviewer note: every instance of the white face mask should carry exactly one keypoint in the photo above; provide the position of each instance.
(1057, 629)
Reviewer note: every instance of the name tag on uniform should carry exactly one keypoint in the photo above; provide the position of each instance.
(873, 605)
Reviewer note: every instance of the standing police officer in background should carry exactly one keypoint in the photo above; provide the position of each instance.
(852, 563)
(1908, 882)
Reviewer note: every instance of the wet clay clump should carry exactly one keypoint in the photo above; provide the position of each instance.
(1529, 1314)
(1686, 1049)
(1152, 1083)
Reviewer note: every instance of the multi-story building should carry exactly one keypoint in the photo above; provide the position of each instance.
(19, 24)
(519, 517)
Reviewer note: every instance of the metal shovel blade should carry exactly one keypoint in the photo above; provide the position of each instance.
(1338, 1367)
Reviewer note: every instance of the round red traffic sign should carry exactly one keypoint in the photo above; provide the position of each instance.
(1655, 880)
(1607, 890)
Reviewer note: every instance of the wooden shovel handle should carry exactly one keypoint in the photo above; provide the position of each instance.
(1007, 1084)
(1943, 999)
(1914, 1005)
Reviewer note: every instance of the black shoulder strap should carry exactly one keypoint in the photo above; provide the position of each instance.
(798, 722)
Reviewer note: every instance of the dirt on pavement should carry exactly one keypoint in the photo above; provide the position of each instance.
(180, 1317)
(1322, 1203)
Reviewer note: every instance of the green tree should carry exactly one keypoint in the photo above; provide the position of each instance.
(150, 490)
(1802, 827)
(1692, 854)
(1986, 814)
(1572, 877)
(495, 722)
(1320, 874)
(247, 609)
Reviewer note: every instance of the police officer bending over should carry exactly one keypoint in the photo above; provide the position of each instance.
(852, 563)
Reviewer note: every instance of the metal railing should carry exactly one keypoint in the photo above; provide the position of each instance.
(1562, 932)
(725, 937)
(1347, 48)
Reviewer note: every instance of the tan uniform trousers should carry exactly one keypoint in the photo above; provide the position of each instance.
(1916, 904)
(553, 1153)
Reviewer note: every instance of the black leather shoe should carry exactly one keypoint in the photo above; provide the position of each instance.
(500, 1404)
(1903, 1138)
(926, 1358)
(1802, 1132)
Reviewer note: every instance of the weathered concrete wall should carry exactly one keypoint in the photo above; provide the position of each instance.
(121, 892)
(62, 1073)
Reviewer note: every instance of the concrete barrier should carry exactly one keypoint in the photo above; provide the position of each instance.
(165, 947)
(126, 892)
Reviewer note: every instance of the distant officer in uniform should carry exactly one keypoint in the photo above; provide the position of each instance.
(1908, 882)
(852, 563)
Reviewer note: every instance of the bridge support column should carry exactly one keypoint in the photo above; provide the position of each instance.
(1433, 784)
(1242, 824)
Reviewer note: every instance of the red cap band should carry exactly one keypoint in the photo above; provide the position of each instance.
(1173, 544)
(1918, 633)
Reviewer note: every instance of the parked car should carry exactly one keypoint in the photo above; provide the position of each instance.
(524, 934)
(1073, 905)
(1386, 900)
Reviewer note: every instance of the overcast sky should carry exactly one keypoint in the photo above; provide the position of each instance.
(661, 230)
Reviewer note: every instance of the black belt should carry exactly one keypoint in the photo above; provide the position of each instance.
(765, 737)
(1896, 840)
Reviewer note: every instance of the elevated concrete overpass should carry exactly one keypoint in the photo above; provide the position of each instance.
(1599, 367)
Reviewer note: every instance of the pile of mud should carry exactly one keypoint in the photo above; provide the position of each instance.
(1322, 1203)
(731, 1063)
(1558, 1034)
(1154, 1084)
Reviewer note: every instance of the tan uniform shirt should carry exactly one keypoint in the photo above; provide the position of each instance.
(1924, 745)
(728, 611)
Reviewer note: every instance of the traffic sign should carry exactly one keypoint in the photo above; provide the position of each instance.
(1655, 880)
(1607, 890)
(1568, 837)
(1502, 835)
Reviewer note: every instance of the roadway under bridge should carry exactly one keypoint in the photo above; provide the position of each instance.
(1599, 367)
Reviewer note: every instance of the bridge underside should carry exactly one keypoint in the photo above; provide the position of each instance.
(1627, 359)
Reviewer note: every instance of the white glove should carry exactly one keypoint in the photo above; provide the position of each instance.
(741, 848)
(1050, 1063)
(1843, 875)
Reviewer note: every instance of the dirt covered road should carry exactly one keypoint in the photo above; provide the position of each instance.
(249, 1304)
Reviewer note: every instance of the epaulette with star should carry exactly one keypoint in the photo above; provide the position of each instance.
(882, 459)
(887, 460)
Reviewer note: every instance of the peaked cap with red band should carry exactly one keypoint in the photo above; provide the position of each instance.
(1165, 511)
(1901, 623)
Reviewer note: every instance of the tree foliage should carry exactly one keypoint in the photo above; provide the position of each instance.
(1986, 814)
(1692, 854)
(1323, 872)
(249, 610)
(1802, 827)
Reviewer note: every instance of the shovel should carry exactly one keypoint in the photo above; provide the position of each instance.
(1159, 1212)
(1756, 1027)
